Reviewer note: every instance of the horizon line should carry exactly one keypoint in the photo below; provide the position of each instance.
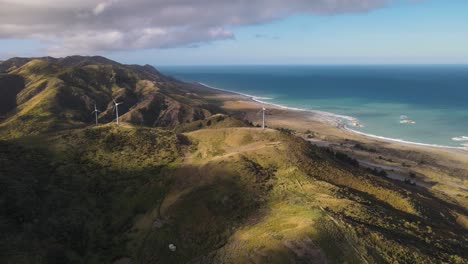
(313, 64)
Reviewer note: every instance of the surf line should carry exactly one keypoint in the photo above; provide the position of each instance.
(337, 118)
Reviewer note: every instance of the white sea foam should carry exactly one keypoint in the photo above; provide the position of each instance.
(341, 121)
(407, 122)
(462, 138)
(243, 94)
(405, 141)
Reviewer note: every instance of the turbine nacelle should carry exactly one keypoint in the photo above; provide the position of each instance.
(95, 110)
(115, 102)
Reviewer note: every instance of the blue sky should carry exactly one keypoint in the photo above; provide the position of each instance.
(402, 32)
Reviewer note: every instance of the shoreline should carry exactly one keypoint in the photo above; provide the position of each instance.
(335, 120)
(258, 99)
(404, 141)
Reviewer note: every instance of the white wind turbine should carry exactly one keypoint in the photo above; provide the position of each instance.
(263, 117)
(95, 112)
(116, 107)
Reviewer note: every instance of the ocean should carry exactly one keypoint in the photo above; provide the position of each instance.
(425, 104)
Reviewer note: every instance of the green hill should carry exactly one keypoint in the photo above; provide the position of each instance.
(234, 195)
(47, 94)
(217, 189)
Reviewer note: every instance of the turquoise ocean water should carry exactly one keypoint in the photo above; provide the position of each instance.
(379, 97)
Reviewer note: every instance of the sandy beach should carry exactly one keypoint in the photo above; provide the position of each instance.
(442, 170)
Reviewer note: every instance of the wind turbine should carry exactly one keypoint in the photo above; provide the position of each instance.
(263, 117)
(95, 112)
(116, 107)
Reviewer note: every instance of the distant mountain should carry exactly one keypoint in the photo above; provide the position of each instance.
(44, 94)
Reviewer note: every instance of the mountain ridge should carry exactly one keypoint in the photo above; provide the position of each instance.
(66, 90)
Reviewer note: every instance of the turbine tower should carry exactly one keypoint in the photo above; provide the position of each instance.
(116, 107)
(263, 115)
(95, 112)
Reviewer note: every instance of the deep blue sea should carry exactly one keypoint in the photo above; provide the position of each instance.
(380, 97)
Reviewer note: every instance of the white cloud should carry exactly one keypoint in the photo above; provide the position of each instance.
(99, 8)
(87, 26)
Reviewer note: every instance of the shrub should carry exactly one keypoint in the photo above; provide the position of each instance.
(286, 131)
(377, 172)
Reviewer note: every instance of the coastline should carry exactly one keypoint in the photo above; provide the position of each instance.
(440, 169)
(334, 118)
(338, 121)
(401, 141)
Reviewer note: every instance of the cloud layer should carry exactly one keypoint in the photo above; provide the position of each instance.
(89, 26)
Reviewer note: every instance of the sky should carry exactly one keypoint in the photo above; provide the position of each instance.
(214, 32)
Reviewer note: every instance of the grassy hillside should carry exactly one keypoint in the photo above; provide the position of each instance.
(181, 181)
(48, 94)
(221, 195)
